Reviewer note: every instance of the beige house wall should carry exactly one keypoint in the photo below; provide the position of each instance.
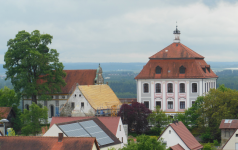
(230, 145)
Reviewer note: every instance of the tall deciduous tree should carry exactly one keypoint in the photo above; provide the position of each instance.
(33, 118)
(34, 68)
(135, 116)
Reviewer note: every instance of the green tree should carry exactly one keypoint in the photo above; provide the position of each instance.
(145, 142)
(159, 120)
(33, 118)
(218, 104)
(8, 98)
(33, 68)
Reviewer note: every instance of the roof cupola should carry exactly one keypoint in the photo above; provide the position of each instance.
(177, 35)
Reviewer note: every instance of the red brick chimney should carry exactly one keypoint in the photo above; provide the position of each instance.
(60, 137)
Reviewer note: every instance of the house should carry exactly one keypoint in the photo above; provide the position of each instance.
(228, 128)
(114, 124)
(173, 78)
(48, 143)
(232, 142)
(177, 137)
(9, 114)
(90, 127)
(72, 79)
(128, 101)
(91, 100)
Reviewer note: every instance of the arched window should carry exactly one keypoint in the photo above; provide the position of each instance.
(27, 106)
(170, 88)
(194, 87)
(146, 88)
(182, 70)
(51, 111)
(158, 70)
(158, 88)
(182, 87)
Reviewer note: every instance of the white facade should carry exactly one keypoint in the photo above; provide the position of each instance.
(171, 138)
(121, 134)
(54, 131)
(176, 101)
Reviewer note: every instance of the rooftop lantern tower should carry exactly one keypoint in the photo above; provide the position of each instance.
(177, 35)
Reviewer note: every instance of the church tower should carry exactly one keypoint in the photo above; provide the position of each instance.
(99, 78)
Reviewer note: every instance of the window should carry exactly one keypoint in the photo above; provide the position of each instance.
(204, 69)
(72, 105)
(146, 104)
(158, 103)
(194, 88)
(27, 106)
(158, 88)
(82, 104)
(122, 139)
(170, 88)
(169, 131)
(236, 135)
(193, 102)
(165, 143)
(51, 111)
(182, 87)
(208, 69)
(79, 95)
(75, 95)
(146, 88)
(52, 97)
(182, 105)
(158, 70)
(63, 97)
(120, 127)
(170, 105)
(182, 70)
(205, 88)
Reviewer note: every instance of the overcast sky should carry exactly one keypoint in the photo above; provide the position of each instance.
(124, 30)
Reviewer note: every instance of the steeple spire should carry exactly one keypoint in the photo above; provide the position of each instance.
(177, 34)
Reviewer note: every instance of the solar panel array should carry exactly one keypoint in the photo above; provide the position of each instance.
(86, 129)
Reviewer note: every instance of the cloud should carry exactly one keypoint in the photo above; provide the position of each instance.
(124, 31)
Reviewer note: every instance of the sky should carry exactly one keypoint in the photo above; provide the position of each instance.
(124, 30)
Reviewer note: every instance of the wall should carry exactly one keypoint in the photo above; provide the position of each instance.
(117, 146)
(172, 138)
(121, 133)
(226, 134)
(54, 131)
(232, 142)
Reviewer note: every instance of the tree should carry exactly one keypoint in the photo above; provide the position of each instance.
(218, 104)
(11, 132)
(33, 118)
(159, 120)
(8, 98)
(33, 68)
(145, 142)
(135, 116)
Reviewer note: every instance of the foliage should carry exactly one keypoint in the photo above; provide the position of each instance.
(216, 143)
(33, 118)
(28, 60)
(145, 142)
(8, 98)
(11, 132)
(218, 104)
(135, 116)
(207, 147)
(159, 120)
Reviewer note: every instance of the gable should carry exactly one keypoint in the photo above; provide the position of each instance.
(231, 143)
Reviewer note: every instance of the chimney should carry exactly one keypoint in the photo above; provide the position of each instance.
(60, 137)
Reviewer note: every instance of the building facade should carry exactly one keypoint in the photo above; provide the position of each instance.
(173, 78)
(73, 79)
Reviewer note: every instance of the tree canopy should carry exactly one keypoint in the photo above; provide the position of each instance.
(135, 116)
(34, 68)
(33, 118)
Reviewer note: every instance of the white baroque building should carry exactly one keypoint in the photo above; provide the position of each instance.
(173, 78)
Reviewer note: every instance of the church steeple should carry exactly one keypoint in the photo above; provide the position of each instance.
(177, 35)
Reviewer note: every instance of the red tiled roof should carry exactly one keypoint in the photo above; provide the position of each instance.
(82, 77)
(4, 112)
(230, 125)
(186, 135)
(110, 122)
(47, 143)
(170, 69)
(176, 50)
(177, 147)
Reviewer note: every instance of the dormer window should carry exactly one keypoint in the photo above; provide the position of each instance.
(204, 69)
(182, 70)
(158, 70)
(208, 69)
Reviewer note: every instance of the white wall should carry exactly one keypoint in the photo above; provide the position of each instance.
(53, 131)
(121, 133)
(117, 146)
(172, 138)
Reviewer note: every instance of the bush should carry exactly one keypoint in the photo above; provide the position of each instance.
(216, 143)
(206, 137)
(207, 147)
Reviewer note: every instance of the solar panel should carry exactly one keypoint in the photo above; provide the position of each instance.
(95, 131)
(74, 130)
(228, 121)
